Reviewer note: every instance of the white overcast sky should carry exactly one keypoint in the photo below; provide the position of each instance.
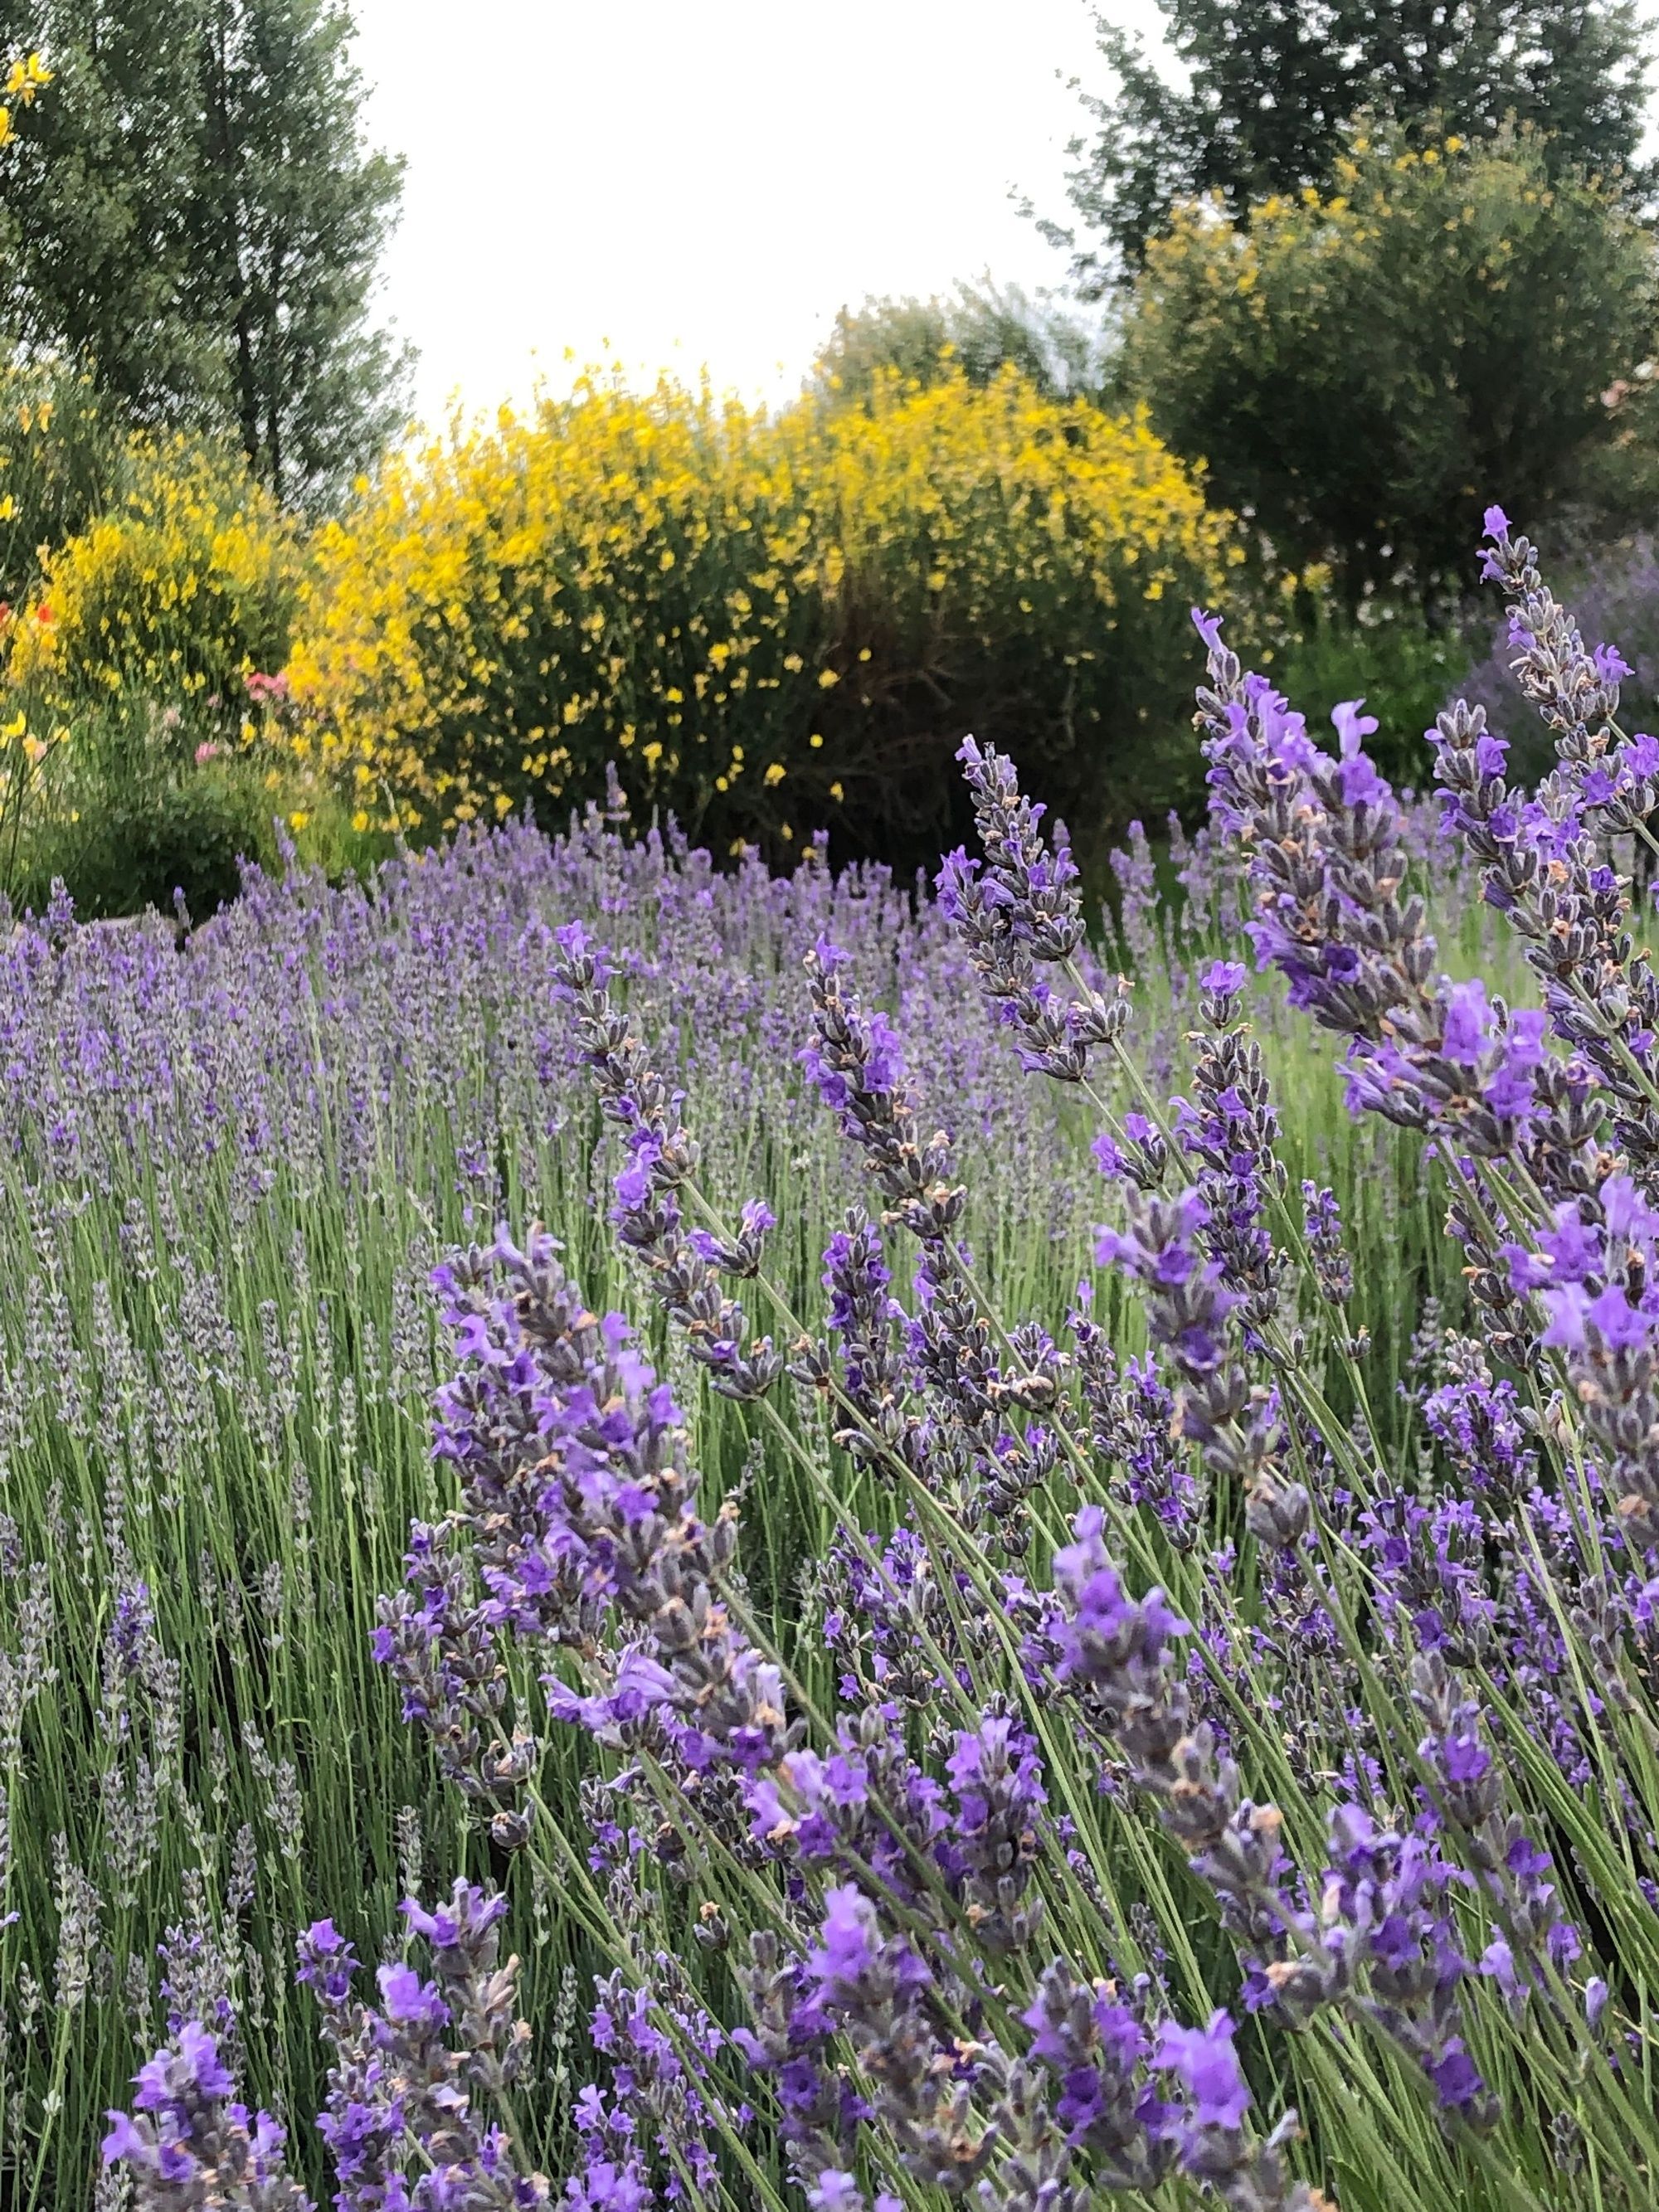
(682, 182)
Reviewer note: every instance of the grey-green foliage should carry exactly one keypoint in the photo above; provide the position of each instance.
(192, 213)
(985, 327)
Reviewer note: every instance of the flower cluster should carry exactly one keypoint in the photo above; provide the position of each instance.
(407, 2076)
(1025, 909)
(973, 1397)
(189, 2142)
(189, 582)
(1168, 1248)
(1542, 861)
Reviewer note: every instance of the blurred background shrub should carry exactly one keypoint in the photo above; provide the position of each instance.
(1250, 97)
(132, 806)
(1387, 653)
(979, 328)
(134, 820)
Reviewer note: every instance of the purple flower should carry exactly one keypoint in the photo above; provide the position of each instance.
(632, 1186)
(1020, 911)
(1207, 2065)
(1456, 2079)
(192, 2069)
(835, 2191)
(849, 1942)
(409, 2002)
(1465, 1017)
(326, 1962)
(1098, 2052)
(185, 2144)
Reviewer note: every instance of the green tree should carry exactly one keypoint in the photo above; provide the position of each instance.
(288, 222)
(1269, 86)
(1364, 371)
(197, 219)
(94, 247)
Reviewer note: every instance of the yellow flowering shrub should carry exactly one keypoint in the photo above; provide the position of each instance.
(172, 596)
(618, 575)
(60, 458)
(769, 622)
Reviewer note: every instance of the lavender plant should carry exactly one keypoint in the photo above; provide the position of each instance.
(230, 1167)
(1076, 1647)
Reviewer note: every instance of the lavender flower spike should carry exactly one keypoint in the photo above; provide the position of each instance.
(1025, 909)
(684, 1267)
(187, 2142)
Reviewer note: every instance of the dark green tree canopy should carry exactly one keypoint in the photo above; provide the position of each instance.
(1271, 85)
(195, 219)
(1363, 373)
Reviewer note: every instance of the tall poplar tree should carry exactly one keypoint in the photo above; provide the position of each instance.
(198, 220)
(93, 257)
(287, 221)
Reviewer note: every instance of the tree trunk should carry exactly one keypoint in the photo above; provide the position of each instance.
(222, 153)
(274, 379)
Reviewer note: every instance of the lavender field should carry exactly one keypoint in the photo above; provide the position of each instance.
(867, 1542)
